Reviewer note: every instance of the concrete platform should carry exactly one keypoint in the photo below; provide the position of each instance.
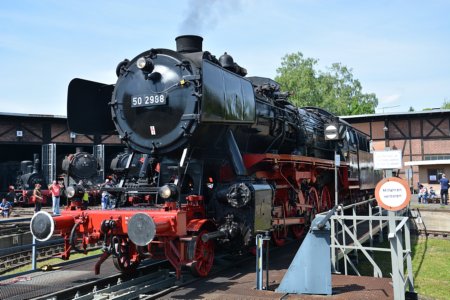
(430, 217)
(240, 283)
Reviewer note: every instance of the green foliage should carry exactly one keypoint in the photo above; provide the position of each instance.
(431, 266)
(335, 90)
(446, 105)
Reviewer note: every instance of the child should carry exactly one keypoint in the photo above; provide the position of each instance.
(432, 193)
(423, 193)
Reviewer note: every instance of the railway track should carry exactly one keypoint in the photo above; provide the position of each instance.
(17, 256)
(154, 275)
(151, 281)
(22, 255)
(434, 233)
(18, 230)
(14, 228)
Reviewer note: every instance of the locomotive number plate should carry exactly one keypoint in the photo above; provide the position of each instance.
(148, 100)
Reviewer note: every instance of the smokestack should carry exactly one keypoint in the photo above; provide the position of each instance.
(36, 163)
(189, 43)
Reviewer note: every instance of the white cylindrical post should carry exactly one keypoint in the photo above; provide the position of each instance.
(259, 258)
(33, 255)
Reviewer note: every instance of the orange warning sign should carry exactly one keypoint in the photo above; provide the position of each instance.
(393, 193)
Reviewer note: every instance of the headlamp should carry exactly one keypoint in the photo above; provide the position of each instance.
(70, 192)
(145, 64)
(168, 191)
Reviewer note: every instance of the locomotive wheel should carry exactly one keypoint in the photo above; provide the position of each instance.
(122, 258)
(298, 231)
(325, 199)
(280, 233)
(313, 200)
(279, 236)
(203, 256)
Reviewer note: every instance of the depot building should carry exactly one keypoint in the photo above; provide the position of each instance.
(422, 137)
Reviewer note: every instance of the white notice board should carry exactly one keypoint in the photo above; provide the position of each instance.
(389, 159)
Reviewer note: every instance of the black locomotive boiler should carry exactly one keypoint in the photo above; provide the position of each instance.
(223, 157)
(81, 173)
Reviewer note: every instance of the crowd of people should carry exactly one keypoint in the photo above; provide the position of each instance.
(55, 189)
(425, 194)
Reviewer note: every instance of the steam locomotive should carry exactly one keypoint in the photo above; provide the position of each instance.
(29, 175)
(221, 157)
(81, 173)
(81, 166)
(130, 169)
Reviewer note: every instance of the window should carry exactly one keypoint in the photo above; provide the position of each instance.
(434, 175)
(436, 157)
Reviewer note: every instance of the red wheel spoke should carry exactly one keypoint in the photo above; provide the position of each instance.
(203, 256)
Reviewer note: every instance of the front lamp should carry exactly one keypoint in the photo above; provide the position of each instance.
(145, 64)
(168, 191)
(70, 192)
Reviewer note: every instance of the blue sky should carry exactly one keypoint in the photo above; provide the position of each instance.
(399, 50)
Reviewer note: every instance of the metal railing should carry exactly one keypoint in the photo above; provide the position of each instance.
(399, 238)
(341, 250)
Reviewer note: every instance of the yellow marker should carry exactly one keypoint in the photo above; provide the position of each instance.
(182, 82)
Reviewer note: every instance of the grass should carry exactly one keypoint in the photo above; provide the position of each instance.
(431, 266)
(52, 262)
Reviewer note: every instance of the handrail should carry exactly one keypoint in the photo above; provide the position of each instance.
(330, 213)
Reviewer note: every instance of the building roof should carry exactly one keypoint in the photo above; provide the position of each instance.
(5, 114)
(398, 114)
(428, 162)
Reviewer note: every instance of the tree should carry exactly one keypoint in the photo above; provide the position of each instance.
(445, 105)
(336, 90)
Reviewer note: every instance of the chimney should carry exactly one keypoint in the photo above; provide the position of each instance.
(189, 43)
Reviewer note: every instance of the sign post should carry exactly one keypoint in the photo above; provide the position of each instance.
(393, 194)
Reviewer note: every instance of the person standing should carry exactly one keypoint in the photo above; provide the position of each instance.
(106, 195)
(11, 195)
(5, 208)
(37, 194)
(444, 190)
(85, 199)
(55, 189)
